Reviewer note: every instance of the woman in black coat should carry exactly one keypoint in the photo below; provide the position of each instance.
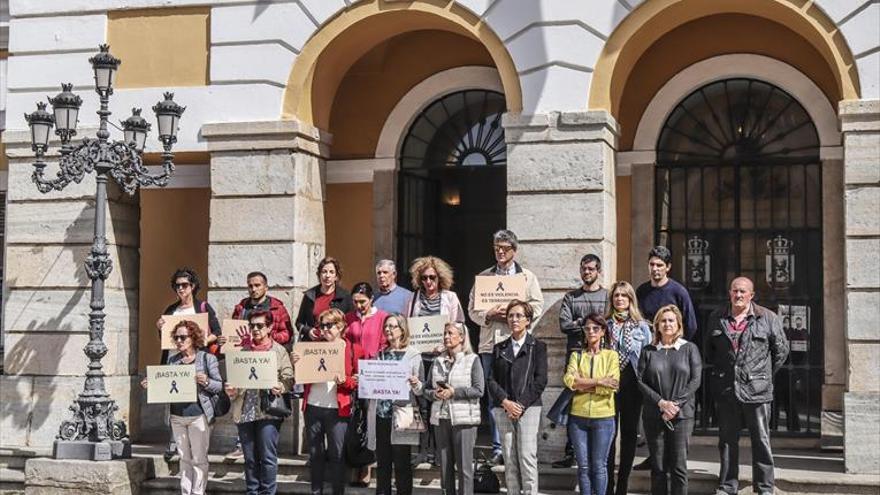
(328, 294)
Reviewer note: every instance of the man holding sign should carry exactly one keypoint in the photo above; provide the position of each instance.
(493, 319)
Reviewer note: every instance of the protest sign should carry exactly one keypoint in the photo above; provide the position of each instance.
(171, 383)
(233, 330)
(252, 369)
(319, 361)
(426, 332)
(491, 290)
(383, 379)
(170, 321)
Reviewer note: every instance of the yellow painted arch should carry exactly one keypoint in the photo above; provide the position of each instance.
(654, 18)
(329, 53)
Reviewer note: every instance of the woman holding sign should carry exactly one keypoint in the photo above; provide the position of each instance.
(258, 430)
(455, 385)
(327, 407)
(392, 426)
(191, 421)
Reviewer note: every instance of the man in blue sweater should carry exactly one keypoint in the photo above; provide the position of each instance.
(390, 298)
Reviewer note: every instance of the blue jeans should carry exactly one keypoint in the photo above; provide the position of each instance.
(591, 439)
(486, 359)
(259, 444)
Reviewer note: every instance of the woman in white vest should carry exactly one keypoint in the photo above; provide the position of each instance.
(455, 385)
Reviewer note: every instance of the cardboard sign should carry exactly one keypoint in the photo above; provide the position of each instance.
(383, 379)
(426, 332)
(231, 330)
(252, 369)
(491, 290)
(170, 321)
(171, 383)
(319, 361)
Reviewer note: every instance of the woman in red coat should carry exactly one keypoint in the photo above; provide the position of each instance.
(327, 407)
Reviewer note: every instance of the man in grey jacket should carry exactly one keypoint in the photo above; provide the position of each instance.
(746, 346)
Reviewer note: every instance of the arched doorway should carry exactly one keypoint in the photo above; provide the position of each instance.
(738, 188)
(452, 183)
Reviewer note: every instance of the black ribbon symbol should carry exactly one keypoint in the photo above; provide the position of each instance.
(322, 366)
(500, 287)
(253, 375)
(174, 387)
(426, 329)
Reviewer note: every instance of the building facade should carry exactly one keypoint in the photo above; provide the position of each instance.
(744, 135)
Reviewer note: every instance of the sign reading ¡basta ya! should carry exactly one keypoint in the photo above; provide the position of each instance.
(319, 361)
(252, 369)
(171, 383)
(491, 290)
(426, 332)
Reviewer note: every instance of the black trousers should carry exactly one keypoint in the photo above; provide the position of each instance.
(732, 415)
(669, 451)
(388, 457)
(628, 402)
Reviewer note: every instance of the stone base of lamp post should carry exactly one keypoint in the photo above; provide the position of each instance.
(71, 477)
(91, 451)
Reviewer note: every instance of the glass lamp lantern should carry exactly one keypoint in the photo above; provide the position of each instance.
(65, 106)
(40, 123)
(168, 116)
(135, 129)
(104, 64)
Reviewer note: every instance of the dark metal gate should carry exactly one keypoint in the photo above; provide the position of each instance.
(739, 192)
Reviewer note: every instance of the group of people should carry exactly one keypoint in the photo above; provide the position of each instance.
(630, 360)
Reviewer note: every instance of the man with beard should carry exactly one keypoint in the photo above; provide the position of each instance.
(589, 298)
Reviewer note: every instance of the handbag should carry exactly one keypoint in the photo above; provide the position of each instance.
(220, 401)
(485, 481)
(356, 452)
(408, 419)
(275, 405)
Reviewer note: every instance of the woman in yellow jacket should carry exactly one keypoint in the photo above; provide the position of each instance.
(593, 375)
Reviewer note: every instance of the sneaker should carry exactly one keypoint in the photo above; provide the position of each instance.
(497, 459)
(236, 453)
(565, 462)
(643, 466)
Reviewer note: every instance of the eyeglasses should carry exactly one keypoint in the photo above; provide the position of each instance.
(428, 277)
(516, 316)
(180, 338)
(500, 248)
(326, 326)
(256, 326)
(182, 285)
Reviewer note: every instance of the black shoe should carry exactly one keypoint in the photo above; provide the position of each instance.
(496, 459)
(565, 462)
(643, 466)
(420, 458)
(169, 455)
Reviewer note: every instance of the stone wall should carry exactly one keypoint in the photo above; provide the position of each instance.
(45, 324)
(860, 123)
(560, 167)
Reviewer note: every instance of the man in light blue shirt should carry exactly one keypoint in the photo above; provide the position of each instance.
(390, 298)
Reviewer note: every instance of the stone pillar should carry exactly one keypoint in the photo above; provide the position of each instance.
(860, 123)
(560, 203)
(267, 214)
(46, 308)
(642, 200)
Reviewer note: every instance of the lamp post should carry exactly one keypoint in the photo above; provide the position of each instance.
(93, 432)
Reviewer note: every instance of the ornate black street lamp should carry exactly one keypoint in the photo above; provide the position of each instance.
(93, 432)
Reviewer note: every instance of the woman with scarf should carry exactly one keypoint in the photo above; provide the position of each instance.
(628, 334)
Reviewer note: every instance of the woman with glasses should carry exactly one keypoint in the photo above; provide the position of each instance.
(185, 284)
(391, 443)
(519, 375)
(592, 374)
(670, 371)
(628, 333)
(327, 294)
(258, 431)
(327, 407)
(191, 421)
(432, 278)
(454, 386)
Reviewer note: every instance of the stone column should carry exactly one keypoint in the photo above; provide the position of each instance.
(642, 200)
(267, 214)
(46, 305)
(860, 124)
(560, 203)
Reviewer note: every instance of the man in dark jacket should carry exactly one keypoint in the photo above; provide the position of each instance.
(260, 300)
(745, 345)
